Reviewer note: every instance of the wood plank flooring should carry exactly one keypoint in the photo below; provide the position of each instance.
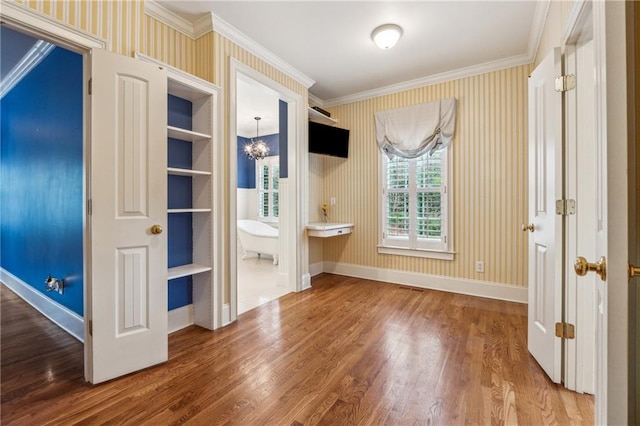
(346, 352)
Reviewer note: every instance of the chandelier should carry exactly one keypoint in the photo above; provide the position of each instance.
(257, 149)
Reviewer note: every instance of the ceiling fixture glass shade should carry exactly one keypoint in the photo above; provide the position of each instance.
(386, 36)
(257, 149)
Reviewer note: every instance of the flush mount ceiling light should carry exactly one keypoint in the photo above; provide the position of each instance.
(257, 149)
(386, 36)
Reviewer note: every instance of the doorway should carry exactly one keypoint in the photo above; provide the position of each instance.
(293, 258)
(43, 177)
(258, 213)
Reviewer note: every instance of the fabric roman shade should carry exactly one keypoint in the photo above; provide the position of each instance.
(413, 131)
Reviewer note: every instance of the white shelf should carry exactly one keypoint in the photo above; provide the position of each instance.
(186, 135)
(188, 211)
(328, 229)
(319, 117)
(186, 270)
(186, 172)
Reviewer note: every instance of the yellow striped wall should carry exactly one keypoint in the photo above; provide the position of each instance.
(489, 179)
(121, 24)
(125, 28)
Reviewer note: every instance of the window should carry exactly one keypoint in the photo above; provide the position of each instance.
(415, 206)
(267, 175)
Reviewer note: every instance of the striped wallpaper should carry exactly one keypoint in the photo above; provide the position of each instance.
(489, 179)
(125, 28)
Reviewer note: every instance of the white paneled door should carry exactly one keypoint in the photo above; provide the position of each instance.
(545, 227)
(127, 289)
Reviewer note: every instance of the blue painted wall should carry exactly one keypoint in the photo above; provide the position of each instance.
(246, 166)
(180, 232)
(284, 138)
(41, 177)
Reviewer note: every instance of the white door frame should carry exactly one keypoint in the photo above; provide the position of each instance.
(609, 35)
(62, 34)
(294, 258)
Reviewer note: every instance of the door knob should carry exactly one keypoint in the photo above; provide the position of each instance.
(582, 267)
(634, 271)
(529, 227)
(156, 229)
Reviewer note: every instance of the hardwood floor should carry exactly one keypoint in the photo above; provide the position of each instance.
(348, 351)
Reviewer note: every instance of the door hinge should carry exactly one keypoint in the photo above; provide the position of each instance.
(565, 207)
(89, 207)
(91, 328)
(565, 82)
(565, 331)
(90, 85)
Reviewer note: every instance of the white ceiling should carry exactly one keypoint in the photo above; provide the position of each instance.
(330, 42)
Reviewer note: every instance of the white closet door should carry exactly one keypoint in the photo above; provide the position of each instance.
(127, 290)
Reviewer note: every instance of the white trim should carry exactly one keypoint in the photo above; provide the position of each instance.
(168, 18)
(316, 268)
(226, 314)
(234, 35)
(180, 318)
(537, 29)
(316, 101)
(190, 78)
(306, 282)
(579, 11)
(427, 254)
(40, 24)
(470, 71)
(29, 61)
(63, 317)
(478, 288)
(203, 25)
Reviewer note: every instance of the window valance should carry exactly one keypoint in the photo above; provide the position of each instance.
(413, 131)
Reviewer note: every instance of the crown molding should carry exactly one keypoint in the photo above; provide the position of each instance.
(169, 18)
(233, 34)
(203, 25)
(471, 71)
(314, 100)
(537, 29)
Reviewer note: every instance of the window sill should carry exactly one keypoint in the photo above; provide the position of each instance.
(428, 254)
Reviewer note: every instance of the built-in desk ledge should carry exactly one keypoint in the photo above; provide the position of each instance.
(328, 229)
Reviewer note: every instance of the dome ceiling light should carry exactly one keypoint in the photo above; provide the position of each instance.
(386, 36)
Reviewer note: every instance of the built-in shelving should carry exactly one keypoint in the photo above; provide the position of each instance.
(190, 210)
(187, 172)
(186, 270)
(187, 135)
(319, 117)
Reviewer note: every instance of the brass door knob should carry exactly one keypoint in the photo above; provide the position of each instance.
(582, 267)
(156, 229)
(634, 271)
(529, 227)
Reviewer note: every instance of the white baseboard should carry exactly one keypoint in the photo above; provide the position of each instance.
(180, 318)
(433, 282)
(226, 314)
(63, 317)
(316, 268)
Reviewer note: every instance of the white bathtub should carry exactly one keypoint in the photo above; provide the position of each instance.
(258, 237)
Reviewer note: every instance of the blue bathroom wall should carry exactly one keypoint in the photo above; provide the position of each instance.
(246, 166)
(180, 225)
(284, 138)
(41, 162)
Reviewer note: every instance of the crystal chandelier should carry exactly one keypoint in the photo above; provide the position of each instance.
(257, 149)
